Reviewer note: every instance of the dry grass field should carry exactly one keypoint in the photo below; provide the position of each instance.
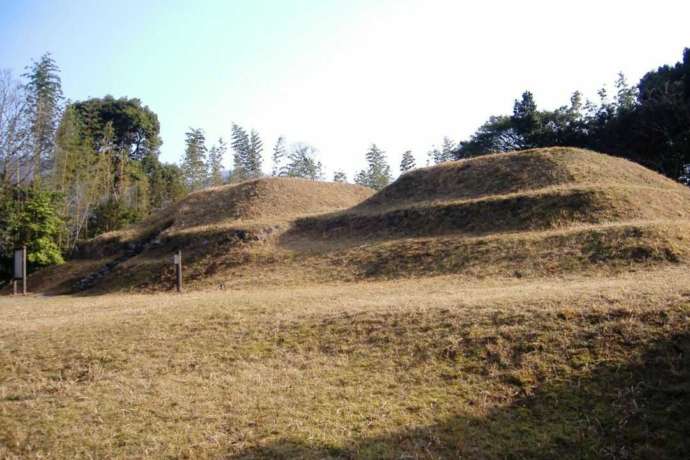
(533, 304)
(578, 367)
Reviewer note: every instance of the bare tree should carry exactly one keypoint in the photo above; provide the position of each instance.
(13, 130)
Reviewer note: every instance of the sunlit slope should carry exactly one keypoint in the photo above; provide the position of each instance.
(532, 213)
(202, 225)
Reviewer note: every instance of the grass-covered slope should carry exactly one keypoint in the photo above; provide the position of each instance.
(203, 225)
(532, 213)
(428, 368)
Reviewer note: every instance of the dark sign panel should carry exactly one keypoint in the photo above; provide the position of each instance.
(19, 264)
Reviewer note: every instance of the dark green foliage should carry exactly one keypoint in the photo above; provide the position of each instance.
(112, 215)
(28, 217)
(649, 123)
(166, 182)
(135, 127)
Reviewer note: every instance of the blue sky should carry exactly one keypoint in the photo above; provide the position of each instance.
(339, 74)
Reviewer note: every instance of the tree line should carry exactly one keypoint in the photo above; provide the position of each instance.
(71, 170)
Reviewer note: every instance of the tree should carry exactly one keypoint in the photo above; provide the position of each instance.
(241, 147)
(247, 157)
(279, 157)
(28, 217)
(433, 156)
(626, 96)
(81, 177)
(496, 135)
(254, 159)
(378, 172)
(166, 182)
(302, 162)
(526, 120)
(14, 130)
(215, 163)
(194, 161)
(447, 149)
(135, 127)
(408, 162)
(44, 94)
(339, 176)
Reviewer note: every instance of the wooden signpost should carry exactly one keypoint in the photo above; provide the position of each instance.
(177, 260)
(19, 270)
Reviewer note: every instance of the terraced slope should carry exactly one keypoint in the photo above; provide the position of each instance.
(528, 213)
(534, 213)
(203, 225)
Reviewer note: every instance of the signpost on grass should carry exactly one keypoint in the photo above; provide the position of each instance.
(19, 270)
(177, 260)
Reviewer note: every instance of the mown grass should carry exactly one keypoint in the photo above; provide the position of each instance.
(430, 368)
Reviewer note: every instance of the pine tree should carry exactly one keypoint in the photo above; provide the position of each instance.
(339, 176)
(408, 162)
(240, 145)
(44, 94)
(215, 163)
(194, 161)
(434, 156)
(254, 159)
(279, 156)
(378, 173)
(447, 149)
(302, 162)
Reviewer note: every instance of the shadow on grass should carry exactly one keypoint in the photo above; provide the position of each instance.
(636, 410)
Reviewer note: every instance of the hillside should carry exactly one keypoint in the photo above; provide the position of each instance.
(538, 311)
(202, 224)
(531, 213)
(427, 368)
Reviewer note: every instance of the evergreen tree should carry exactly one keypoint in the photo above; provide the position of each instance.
(339, 176)
(194, 161)
(241, 147)
(302, 162)
(28, 217)
(447, 149)
(378, 173)
(215, 163)
(526, 120)
(254, 159)
(166, 182)
(279, 157)
(408, 162)
(44, 94)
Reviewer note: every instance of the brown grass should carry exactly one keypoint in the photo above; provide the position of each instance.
(432, 368)
(525, 214)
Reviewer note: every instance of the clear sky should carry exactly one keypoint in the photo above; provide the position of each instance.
(340, 74)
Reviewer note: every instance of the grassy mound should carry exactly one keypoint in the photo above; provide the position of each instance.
(518, 191)
(202, 225)
(533, 213)
(510, 173)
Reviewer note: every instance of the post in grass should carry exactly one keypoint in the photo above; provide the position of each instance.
(177, 260)
(19, 270)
